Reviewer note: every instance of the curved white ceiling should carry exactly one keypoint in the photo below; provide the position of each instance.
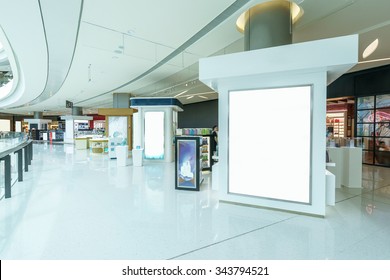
(83, 51)
(26, 49)
(43, 52)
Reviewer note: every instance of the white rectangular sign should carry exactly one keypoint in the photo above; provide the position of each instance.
(270, 143)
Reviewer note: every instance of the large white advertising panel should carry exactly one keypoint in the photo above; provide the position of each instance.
(154, 135)
(269, 143)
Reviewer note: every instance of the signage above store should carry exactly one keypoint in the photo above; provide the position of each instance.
(68, 104)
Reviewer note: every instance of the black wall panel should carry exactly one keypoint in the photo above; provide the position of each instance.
(368, 82)
(202, 114)
(373, 83)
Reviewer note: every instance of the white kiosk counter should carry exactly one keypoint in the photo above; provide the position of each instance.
(348, 169)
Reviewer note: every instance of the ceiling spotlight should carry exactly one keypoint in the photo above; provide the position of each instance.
(189, 97)
(371, 48)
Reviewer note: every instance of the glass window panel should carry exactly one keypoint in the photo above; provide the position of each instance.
(382, 115)
(365, 102)
(368, 143)
(383, 100)
(382, 158)
(365, 130)
(382, 144)
(382, 130)
(365, 116)
(368, 157)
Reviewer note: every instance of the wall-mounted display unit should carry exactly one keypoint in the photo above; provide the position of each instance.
(188, 171)
(206, 152)
(336, 124)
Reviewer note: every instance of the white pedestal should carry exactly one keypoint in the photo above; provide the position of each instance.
(353, 169)
(81, 143)
(138, 155)
(330, 188)
(348, 169)
(338, 161)
(122, 154)
(215, 177)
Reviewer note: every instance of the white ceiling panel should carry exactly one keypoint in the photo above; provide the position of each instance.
(139, 48)
(169, 22)
(153, 47)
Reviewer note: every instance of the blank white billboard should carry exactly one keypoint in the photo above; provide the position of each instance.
(269, 143)
(154, 135)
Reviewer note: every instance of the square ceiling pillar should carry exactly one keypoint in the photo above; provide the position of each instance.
(272, 119)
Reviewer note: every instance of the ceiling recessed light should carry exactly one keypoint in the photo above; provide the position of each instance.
(177, 95)
(189, 97)
(371, 48)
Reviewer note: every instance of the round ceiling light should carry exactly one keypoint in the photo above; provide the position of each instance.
(371, 48)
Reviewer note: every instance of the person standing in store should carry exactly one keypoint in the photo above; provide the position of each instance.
(214, 144)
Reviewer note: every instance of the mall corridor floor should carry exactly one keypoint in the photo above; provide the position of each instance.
(77, 205)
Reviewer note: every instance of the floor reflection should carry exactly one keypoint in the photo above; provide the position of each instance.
(73, 205)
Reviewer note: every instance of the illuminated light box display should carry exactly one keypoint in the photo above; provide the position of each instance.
(154, 135)
(187, 164)
(275, 167)
(154, 126)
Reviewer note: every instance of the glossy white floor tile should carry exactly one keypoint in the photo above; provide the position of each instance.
(73, 205)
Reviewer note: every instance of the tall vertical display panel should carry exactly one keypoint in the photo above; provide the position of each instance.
(188, 169)
(280, 90)
(154, 135)
(117, 129)
(289, 153)
(157, 122)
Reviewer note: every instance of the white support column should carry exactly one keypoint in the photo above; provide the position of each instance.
(168, 135)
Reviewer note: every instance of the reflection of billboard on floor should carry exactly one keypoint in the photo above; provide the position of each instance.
(270, 143)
